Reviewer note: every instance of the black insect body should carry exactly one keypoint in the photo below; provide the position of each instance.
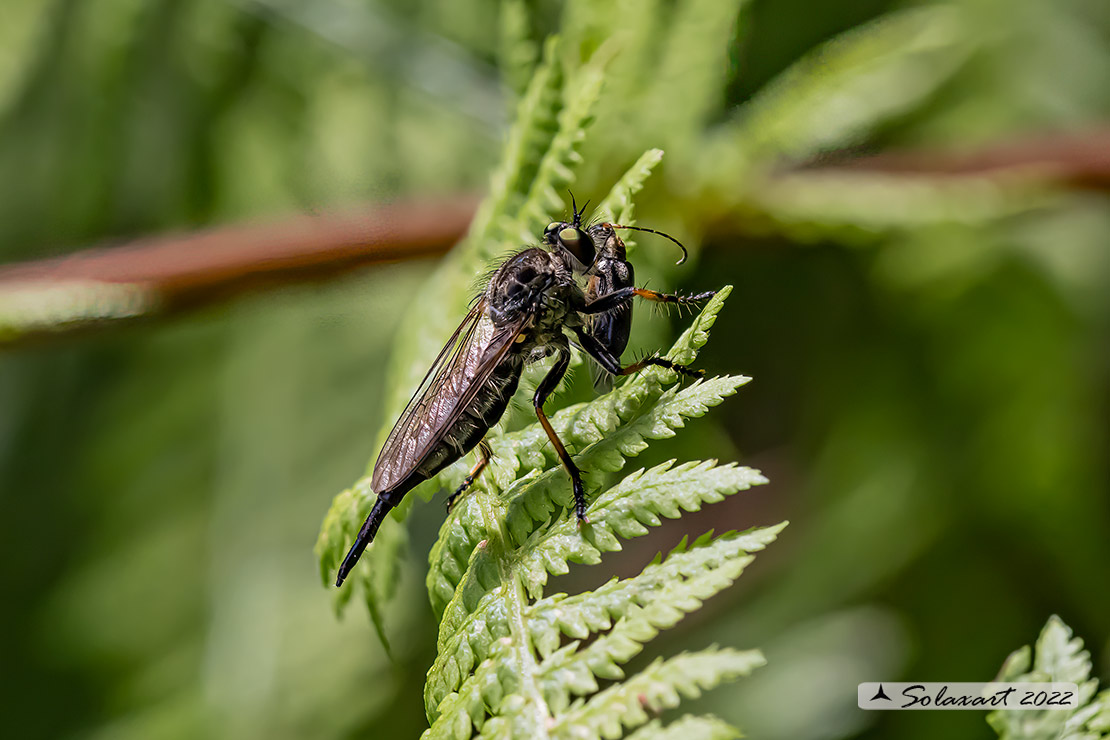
(609, 273)
(524, 314)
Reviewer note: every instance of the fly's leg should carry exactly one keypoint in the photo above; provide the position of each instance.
(365, 537)
(611, 364)
(484, 455)
(547, 385)
(609, 301)
(636, 367)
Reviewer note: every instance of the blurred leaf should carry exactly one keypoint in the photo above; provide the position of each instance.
(1058, 656)
(841, 92)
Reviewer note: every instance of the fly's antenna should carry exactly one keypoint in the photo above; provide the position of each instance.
(577, 213)
(660, 233)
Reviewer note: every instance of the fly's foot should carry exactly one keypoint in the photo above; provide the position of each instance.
(689, 372)
(697, 297)
(468, 481)
(580, 503)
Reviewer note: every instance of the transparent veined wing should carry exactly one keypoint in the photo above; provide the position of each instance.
(464, 364)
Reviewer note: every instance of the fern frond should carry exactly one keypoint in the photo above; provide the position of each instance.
(556, 167)
(626, 510)
(860, 79)
(618, 203)
(455, 559)
(639, 26)
(1058, 656)
(531, 499)
(689, 726)
(341, 523)
(537, 122)
(655, 599)
(660, 686)
(855, 206)
(691, 69)
(379, 578)
(517, 52)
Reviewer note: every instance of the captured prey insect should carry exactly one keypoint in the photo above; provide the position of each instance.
(610, 271)
(530, 303)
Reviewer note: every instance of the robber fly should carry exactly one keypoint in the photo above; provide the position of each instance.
(524, 314)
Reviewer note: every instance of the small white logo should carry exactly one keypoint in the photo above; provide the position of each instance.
(952, 695)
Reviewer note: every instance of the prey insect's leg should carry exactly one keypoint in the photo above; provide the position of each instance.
(609, 301)
(484, 455)
(547, 385)
(365, 537)
(611, 364)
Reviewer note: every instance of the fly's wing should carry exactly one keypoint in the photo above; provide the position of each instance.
(458, 373)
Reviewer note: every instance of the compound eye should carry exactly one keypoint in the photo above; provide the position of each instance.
(551, 228)
(578, 243)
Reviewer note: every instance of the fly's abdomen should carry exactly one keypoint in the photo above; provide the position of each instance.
(488, 407)
(483, 412)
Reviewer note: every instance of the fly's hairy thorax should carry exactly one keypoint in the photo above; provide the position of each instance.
(537, 291)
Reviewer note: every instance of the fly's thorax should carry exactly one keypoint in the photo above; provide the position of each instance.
(516, 290)
(532, 287)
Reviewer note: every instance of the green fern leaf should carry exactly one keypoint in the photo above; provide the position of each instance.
(556, 167)
(1059, 656)
(691, 69)
(517, 51)
(660, 686)
(626, 510)
(378, 579)
(655, 599)
(841, 92)
(618, 203)
(813, 205)
(660, 596)
(704, 728)
(462, 534)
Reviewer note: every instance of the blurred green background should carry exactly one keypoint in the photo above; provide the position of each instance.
(930, 353)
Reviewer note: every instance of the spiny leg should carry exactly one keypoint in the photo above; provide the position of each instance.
(484, 455)
(546, 386)
(611, 364)
(609, 301)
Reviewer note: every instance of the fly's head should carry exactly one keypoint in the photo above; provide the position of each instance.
(521, 285)
(571, 242)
